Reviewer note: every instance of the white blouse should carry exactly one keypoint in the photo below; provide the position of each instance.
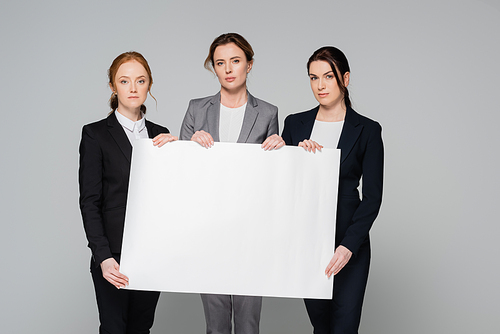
(230, 123)
(327, 134)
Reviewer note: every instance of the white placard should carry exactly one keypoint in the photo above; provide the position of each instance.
(232, 219)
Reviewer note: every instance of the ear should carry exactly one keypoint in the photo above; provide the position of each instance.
(250, 64)
(347, 76)
(111, 87)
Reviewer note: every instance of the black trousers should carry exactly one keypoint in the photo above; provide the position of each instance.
(122, 311)
(342, 313)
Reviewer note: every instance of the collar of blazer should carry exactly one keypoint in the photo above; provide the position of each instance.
(120, 137)
(350, 132)
(213, 117)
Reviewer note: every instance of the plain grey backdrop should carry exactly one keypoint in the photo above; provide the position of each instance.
(427, 70)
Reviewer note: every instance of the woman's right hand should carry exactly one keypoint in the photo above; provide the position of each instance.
(164, 138)
(203, 138)
(110, 271)
(310, 145)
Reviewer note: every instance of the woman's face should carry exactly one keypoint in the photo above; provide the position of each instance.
(324, 85)
(131, 84)
(231, 67)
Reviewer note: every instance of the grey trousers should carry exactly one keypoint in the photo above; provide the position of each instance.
(219, 311)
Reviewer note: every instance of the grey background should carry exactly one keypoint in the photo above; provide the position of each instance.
(428, 71)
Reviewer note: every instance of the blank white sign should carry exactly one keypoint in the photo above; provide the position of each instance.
(232, 219)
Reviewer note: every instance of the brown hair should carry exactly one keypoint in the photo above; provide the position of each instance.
(224, 39)
(338, 62)
(125, 58)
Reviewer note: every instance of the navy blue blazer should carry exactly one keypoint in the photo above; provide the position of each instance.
(105, 153)
(362, 155)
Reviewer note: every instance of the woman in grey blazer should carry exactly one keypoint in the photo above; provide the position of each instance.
(232, 115)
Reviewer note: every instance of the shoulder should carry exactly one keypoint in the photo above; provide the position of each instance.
(302, 116)
(94, 135)
(371, 130)
(355, 117)
(96, 127)
(261, 104)
(203, 102)
(159, 128)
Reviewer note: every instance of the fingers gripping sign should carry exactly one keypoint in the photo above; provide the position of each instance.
(163, 138)
(203, 138)
(273, 142)
(310, 145)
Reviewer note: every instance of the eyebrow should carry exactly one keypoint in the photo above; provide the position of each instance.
(229, 58)
(323, 73)
(127, 77)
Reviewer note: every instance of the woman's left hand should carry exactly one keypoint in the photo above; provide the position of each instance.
(273, 143)
(310, 145)
(340, 258)
(163, 138)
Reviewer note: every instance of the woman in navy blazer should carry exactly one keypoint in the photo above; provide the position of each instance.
(105, 153)
(362, 154)
(232, 115)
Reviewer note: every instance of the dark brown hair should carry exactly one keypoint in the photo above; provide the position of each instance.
(125, 58)
(339, 64)
(224, 39)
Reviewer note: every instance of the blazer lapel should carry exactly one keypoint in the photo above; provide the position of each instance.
(152, 132)
(249, 119)
(116, 131)
(213, 116)
(350, 133)
(307, 124)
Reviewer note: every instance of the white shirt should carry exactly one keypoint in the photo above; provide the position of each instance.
(230, 122)
(327, 134)
(133, 130)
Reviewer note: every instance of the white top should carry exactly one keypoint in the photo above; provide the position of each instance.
(133, 130)
(230, 122)
(327, 134)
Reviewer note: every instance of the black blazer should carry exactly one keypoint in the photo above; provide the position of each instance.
(362, 154)
(105, 154)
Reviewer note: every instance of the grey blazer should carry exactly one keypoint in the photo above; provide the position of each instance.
(260, 120)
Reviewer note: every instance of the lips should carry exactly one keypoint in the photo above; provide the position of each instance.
(133, 97)
(230, 79)
(323, 94)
